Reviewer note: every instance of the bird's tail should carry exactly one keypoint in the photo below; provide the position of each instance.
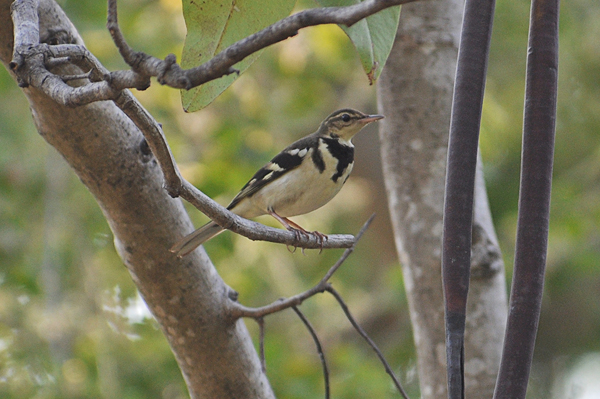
(190, 242)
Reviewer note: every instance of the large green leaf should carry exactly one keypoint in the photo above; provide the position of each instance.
(372, 37)
(212, 26)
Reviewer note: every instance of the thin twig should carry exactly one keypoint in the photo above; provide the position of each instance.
(363, 334)
(261, 343)
(68, 78)
(349, 251)
(55, 62)
(236, 310)
(315, 338)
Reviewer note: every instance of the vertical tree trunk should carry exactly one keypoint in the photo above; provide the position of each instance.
(415, 94)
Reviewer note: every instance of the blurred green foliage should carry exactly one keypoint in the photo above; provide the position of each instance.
(71, 322)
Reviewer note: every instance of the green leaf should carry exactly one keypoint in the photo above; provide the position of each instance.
(212, 26)
(372, 37)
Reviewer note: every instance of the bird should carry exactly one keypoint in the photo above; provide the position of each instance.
(300, 179)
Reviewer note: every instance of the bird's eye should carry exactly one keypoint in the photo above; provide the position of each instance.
(345, 117)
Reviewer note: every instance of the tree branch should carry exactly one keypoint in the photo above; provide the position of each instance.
(315, 338)
(167, 71)
(171, 74)
(372, 344)
(237, 310)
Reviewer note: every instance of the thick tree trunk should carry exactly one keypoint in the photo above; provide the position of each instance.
(187, 297)
(415, 94)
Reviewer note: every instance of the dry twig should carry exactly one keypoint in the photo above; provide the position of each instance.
(315, 338)
(372, 344)
(237, 310)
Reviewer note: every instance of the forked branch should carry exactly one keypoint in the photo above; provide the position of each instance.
(237, 310)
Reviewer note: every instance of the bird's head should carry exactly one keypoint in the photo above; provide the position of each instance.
(345, 123)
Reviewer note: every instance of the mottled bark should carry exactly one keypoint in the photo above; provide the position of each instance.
(415, 94)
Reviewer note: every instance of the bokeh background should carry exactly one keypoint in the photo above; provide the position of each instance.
(73, 326)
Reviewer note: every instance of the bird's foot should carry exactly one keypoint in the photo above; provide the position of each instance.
(321, 238)
(298, 233)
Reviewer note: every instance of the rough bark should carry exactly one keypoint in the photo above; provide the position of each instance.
(415, 94)
(187, 297)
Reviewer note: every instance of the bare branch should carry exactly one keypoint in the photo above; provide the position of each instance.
(26, 29)
(315, 338)
(171, 74)
(372, 344)
(155, 138)
(261, 343)
(254, 230)
(167, 71)
(68, 78)
(237, 310)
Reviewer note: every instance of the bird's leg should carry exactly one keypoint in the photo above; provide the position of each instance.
(289, 225)
(298, 230)
(320, 236)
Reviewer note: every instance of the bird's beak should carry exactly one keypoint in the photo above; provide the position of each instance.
(371, 118)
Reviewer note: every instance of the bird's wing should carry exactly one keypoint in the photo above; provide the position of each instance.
(288, 159)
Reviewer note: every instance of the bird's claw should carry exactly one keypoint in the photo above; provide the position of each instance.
(321, 238)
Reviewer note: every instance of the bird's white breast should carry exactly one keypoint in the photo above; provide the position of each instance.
(301, 190)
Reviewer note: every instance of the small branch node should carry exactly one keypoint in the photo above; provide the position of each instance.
(165, 67)
(16, 62)
(233, 295)
(21, 83)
